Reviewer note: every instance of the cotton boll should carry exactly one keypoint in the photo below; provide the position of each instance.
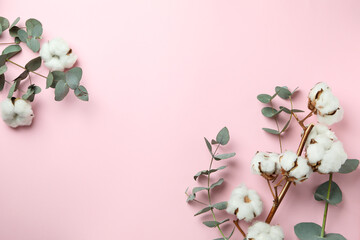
(287, 160)
(327, 103)
(57, 55)
(265, 163)
(333, 159)
(302, 171)
(245, 203)
(16, 114)
(264, 231)
(315, 153)
(330, 119)
(321, 86)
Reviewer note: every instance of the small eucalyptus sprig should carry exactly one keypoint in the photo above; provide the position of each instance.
(57, 56)
(222, 139)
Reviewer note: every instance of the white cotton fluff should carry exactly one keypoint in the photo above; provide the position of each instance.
(294, 167)
(57, 55)
(18, 114)
(245, 203)
(323, 150)
(327, 106)
(265, 163)
(264, 231)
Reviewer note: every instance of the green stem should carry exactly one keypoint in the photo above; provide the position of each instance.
(326, 206)
(208, 191)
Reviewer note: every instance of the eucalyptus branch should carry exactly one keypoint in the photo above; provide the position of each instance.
(8, 60)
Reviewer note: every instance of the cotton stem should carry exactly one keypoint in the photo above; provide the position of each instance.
(288, 183)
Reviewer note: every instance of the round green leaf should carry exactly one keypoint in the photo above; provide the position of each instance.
(37, 31)
(33, 44)
(3, 69)
(264, 98)
(349, 166)
(73, 77)
(335, 193)
(22, 35)
(4, 24)
(11, 50)
(334, 236)
(269, 112)
(307, 231)
(61, 90)
(2, 82)
(31, 25)
(283, 92)
(14, 31)
(49, 80)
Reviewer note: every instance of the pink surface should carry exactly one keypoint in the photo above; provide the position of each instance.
(161, 75)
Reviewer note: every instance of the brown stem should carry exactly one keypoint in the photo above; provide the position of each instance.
(301, 123)
(236, 222)
(288, 183)
(272, 192)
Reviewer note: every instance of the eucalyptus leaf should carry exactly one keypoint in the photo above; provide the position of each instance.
(33, 44)
(264, 98)
(37, 31)
(223, 136)
(198, 189)
(335, 193)
(61, 90)
(31, 26)
(57, 76)
(286, 125)
(220, 205)
(283, 92)
(14, 31)
(49, 80)
(307, 231)
(204, 210)
(11, 51)
(81, 93)
(285, 109)
(208, 145)
(349, 166)
(73, 77)
(334, 236)
(213, 224)
(272, 131)
(11, 90)
(224, 156)
(15, 22)
(4, 24)
(33, 64)
(21, 77)
(269, 112)
(2, 82)
(207, 172)
(3, 69)
(30, 92)
(23, 36)
(213, 142)
(190, 197)
(218, 183)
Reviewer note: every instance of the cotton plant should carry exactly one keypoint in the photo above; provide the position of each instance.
(319, 151)
(57, 56)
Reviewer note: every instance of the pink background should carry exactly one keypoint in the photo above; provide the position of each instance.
(161, 75)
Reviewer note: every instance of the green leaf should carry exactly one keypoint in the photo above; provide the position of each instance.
(32, 26)
(207, 172)
(349, 166)
(21, 77)
(220, 205)
(224, 156)
(23, 36)
(334, 236)
(14, 31)
(297, 110)
(307, 231)
(285, 109)
(73, 77)
(57, 76)
(15, 22)
(286, 126)
(33, 64)
(61, 90)
(283, 92)
(4, 24)
(37, 31)
(30, 92)
(213, 224)
(190, 197)
(198, 189)
(3, 69)
(218, 183)
(208, 145)
(272, 131)
(213, 142)
(11, 50)
(81, 93)
(269, 112)
(33, 44)
(223, 136)
(49, 80)
(12, 90)
(335, 193)
(204, 210)
(2, 82)
(264, 98)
